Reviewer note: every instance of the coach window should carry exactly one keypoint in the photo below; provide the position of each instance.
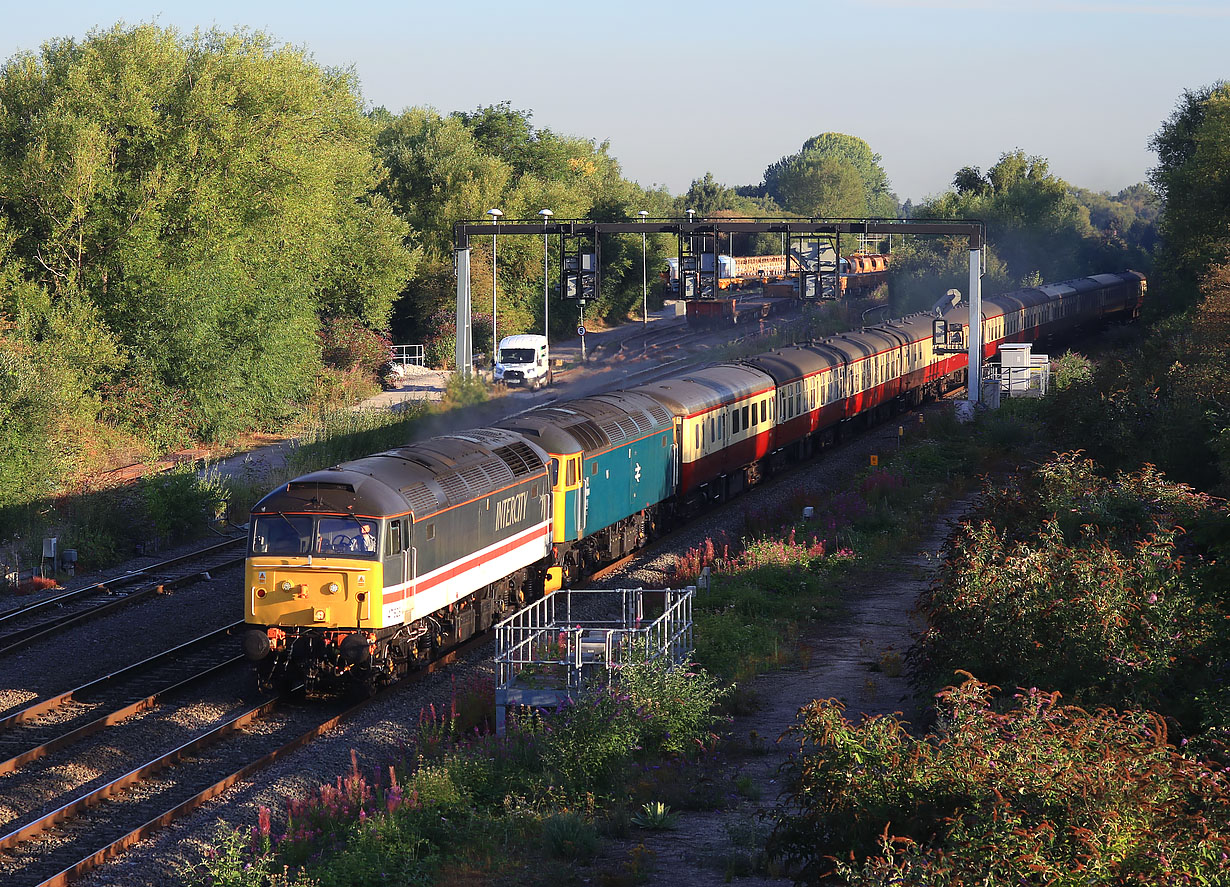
(734, 421)
(698, 434)
(764, 410)
(712, 429)
(722, 426)
(745, 424)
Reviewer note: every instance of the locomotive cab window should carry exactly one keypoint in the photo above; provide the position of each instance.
(281, 534)
(392, 542)
(348, 535)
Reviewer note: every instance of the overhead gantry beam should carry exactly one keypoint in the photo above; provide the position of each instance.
(972, 231)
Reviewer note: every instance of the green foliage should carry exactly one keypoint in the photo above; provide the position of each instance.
(444, 169)
(832, 175)
(332, 436)
(1039, 229)
(346, 343)
(676, 702)
(232, 862)
(1159, 397)
(1192, 179)
(1040, 793)
(1071, 368)
(592, 741)
(182, 501)
(654, 816)
(178, 211)
(461, 391)
(568, 836)
(1080, 583)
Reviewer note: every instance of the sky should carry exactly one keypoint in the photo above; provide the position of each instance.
(680, 89)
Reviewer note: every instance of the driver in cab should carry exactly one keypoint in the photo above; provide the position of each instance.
(365, 541)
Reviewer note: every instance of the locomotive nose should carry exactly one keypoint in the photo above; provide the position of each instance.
(255, 645)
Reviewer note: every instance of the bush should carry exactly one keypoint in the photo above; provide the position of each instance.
(1070, 369)
(677, 702)
(460, 391)
(1072, 581)
(568, 836)
(181, 502)
(1038, 794)
(345, 343)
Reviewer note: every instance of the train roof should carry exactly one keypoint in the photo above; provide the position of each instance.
(707, 387)
(421, 477)
(591, 424)
(786, 365)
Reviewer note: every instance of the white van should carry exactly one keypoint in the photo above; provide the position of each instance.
(524, 361)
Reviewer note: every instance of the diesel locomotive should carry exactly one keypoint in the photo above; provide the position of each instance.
(357, 573)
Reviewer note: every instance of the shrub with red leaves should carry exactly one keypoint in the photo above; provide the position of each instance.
(1041, 793)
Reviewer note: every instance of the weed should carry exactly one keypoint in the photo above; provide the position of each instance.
(568, 836)
(654, 816)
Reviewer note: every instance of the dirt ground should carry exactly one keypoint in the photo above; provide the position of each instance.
(857, 659)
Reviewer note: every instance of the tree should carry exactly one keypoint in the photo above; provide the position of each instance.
(209, 196)
(821, 186)
(969, 180)
(1034, 224)
(1192, 179)
(849, 167)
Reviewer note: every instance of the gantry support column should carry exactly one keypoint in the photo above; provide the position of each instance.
(465, 342)
(974, 389)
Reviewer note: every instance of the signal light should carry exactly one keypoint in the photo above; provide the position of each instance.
(260, 592)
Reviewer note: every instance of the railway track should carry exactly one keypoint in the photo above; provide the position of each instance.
(36, 621)
(72, 834)
(59, 721)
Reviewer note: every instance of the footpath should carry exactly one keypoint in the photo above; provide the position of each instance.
(857, 659)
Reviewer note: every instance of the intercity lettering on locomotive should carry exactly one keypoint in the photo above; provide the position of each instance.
(511, 510)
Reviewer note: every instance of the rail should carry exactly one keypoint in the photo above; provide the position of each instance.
(88, 846)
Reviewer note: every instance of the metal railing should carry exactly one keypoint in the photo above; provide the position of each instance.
(546, 653)
(1030, 381)
(407, 354)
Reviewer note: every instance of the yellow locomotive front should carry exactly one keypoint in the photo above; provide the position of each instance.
(315, 602)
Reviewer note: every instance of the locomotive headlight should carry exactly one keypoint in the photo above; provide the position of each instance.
(331, 588)
(285, 585)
